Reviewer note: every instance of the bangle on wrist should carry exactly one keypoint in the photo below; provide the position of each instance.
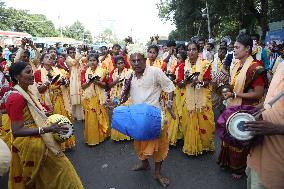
(235, 95)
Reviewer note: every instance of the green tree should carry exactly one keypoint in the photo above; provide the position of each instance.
(22, 21)
(227, 17)
(107, 36)
(78, 31)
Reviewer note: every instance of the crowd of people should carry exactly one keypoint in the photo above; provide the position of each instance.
(184, 81)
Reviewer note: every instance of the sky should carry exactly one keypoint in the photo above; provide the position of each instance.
(138, 18)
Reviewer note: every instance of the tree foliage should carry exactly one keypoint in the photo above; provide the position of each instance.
(23, 21)
(226, 17)
(78, 31)
(107, 36)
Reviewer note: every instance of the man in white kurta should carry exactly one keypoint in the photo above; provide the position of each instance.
(146, 86)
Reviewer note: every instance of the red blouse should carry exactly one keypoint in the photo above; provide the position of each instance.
(83, 79)
(2, 92)
(15, 105)
(180, 74)
(37, 75)
(207, 74)
(259, 81)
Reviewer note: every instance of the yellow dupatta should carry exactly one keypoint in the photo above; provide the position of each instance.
(107, 63)
(116, 90)
(157, 63)
(196, 98)
(37, 112)
(238, 80)
(93, 89)
(217, 65)
(65, 90)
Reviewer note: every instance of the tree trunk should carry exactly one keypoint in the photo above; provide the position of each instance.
(264, 19)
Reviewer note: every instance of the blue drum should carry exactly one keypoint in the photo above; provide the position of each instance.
(140, 121)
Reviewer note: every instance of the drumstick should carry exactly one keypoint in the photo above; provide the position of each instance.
(276, 98)
(270, 103)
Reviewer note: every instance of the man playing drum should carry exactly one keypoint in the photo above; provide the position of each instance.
(266, 160)
(146, 86)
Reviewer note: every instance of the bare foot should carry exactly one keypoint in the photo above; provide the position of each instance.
(164, 181)
(237, 176)
(142, 167)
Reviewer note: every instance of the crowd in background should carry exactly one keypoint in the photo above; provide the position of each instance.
(88, 80)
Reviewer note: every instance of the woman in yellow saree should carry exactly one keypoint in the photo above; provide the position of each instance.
(116, 84)
(37, 161)
(176, 127)
(5, 133)
(200, 128)
(248, 79)
(153, 59)
(55, 95)
(94, 97)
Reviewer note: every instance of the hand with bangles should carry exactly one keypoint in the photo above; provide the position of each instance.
(56, 128)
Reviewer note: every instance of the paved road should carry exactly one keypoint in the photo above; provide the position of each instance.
(107, 165)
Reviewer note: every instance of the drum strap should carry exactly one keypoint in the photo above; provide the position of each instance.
(126, 89)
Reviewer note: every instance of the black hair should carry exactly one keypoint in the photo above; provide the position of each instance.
(93, 55)
(171, 43)
(224, 42)
(70, 48)
(222, 48)
(16, 69)
(281, 47)
(10, 55)
(51, 48)
(245, 40)
(183, 55)
(194, 43)
(27, 52)
(211, 45)
(42, 57)
(116, 45)
(257, 36)
(153, 47)
(117, 58)
(103, 47)
(201, 39)
(181, 46)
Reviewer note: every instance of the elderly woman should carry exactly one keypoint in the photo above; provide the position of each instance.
(200, 128)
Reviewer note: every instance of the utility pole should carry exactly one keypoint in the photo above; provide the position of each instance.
(60, 25)
(208, 20)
